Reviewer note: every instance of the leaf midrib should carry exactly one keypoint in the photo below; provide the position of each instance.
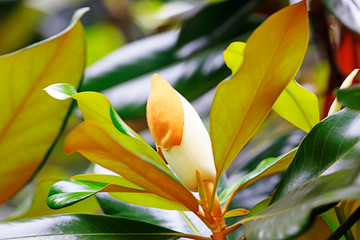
(31, 91)
(236, 135)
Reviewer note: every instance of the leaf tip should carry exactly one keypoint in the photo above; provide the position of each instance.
(60, 91)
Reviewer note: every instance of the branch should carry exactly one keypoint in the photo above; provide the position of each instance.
(345, 226)
(231, 228)
(195, 237)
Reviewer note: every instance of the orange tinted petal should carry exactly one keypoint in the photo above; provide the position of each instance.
(165, 114)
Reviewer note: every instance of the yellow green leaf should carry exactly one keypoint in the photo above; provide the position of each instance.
(299, 106)
(236, 212)
(296, 104)
(30, 121)
(99, 146)
(273, 54)
(143, 199)
(234, 56)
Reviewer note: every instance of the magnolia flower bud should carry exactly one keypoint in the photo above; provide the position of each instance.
(180, 136)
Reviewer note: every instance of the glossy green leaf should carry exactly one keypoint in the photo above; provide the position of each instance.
(235, 117)
(331, 145)
(131, 61)
(349, 97)
(267, 167)
(96, 107)
(142, 198)
(346, 11)
(84, 226)
(291, 214)
(216, 22)
(298, 106)
(164, 51)
(100, 147)
(30, 120)
(68, 192)
(192, 76)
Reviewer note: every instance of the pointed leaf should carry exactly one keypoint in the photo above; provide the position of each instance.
(292, 214)
(84, 226)
(95, 106)
(334, 142)
(267, 167)
(142, 198)
(236, 212)
(295, 104)
(97, 145)
(30, 121)
(280, 42)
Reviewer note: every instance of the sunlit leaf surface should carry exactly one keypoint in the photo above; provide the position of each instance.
(100, 147)
(96, 107)
(142, 198)
(239, 105)
(295, 104)
(30, 121)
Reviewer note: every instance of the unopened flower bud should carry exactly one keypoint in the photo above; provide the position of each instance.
(179, 134)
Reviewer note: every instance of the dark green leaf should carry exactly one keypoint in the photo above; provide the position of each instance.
(293, 213)
(68, 192)
(346, 11)
(331, 145)
(125, 74)
(215, 23)
(191, 77)
(84, 226)
(349, 97)
(133, 60)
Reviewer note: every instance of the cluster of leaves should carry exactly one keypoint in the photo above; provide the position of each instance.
(322, 171)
